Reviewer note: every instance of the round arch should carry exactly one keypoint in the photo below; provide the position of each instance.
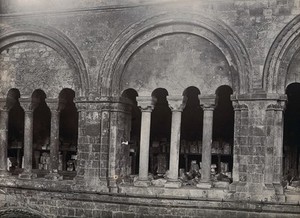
(53, 39)
(140, 33)
(280, 55)
(20, 212)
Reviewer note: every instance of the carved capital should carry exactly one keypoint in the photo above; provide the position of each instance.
(177, 103)
(278, 106)
(26, 104)
(146, 103)
(80, 105)
(239, 107)
(208, 102)
(3, 105)
(53, 104)
(281, 105)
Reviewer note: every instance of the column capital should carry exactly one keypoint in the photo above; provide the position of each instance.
(208, 102)
(177, 102)
(278, 106)
(53, 104)
(146, 103)
(3, 105)
(26, 104)
(239, 107)
(80, 104)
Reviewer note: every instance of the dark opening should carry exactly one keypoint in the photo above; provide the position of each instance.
(41, 131)
(68, 131)
(223, 132)
(15, 131)
(191, 130)
(135, 131)
(291, 146)
(160, 133)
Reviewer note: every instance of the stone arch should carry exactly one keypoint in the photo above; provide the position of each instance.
(52, 38)
(282, 52)
(20, 212)
(140, 33)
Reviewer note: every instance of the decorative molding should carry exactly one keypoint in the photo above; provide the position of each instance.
(239, 107)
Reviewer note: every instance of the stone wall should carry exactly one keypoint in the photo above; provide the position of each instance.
(99, 49)
(31, 66)
(77, 204)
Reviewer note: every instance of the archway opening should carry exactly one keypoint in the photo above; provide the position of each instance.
(41, 133)
(291, 146)
(160, 133)
(15, 132)
(191, 131)
(68, 131)
(223, 132)
(135, 130)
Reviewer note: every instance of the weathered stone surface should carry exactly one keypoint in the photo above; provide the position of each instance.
(101, 48)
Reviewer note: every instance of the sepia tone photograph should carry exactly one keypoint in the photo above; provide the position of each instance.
(150, 108)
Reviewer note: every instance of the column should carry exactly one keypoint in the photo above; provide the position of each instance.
(208, 104)
(176, 104)
(53, 104)
(4, 111)
(146, 104)
(28, 139)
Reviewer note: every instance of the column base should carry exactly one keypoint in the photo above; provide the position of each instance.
(204, 185)
(4, 173)
(27, 175)
(278, 188)
(112, 185)
(54, 176)
(173, 184)
(142, 183)
(221, 184)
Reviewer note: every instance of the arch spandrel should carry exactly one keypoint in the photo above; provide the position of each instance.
(30, 65)
(58, 42)
(176, 61)
(284, 50)
(139, 34)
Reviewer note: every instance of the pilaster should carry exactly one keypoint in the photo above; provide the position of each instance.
(4, 113)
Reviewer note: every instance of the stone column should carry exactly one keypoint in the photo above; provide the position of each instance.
(4, 111)
(177, 104)
(53, 104)
(28, 138)
(146, 104)
(208, 104)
